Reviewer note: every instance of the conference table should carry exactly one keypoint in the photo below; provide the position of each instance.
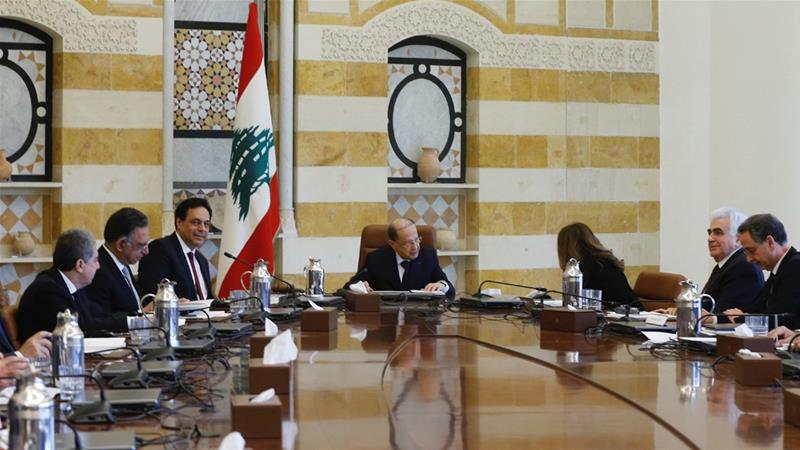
(417, 377)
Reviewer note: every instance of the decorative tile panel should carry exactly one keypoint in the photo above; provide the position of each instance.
(15, 278)
(438, 210)
(207, 63)
(215, 197)
(21, 213)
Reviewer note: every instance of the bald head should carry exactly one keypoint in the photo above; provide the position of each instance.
(403, 238)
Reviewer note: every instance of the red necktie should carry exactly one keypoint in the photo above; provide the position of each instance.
(194, 275)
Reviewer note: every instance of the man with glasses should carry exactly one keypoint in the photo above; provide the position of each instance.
(403, 265)
(176, 256)
(763, 238)
(114, 289)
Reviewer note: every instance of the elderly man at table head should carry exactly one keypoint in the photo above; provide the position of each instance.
(734, 282)
(403, 264)
(176, 256)
(764, 240)
(61, 287)
(126, 235)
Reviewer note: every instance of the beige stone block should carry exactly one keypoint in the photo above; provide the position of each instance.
(530, 277)
(649, 216)
(548, 85)
(57, 146)
(634, 88)
(366, 79)
(528, 218)
(556, 151)
(319, 78)
(493, 218)
(136, 72)
(588, 87)
(602, 217)
(473, 86)
(320, 148)
(363, 214)
(494, 84)
(85, 71)
(532, 151)
(496, 150)
(367, 149)
(616, 152)
(578, 151)
(649, 154)
(473, 150)
(110, 146)
(472, 219)
(86, 216)
(522, 88)
(324, 219)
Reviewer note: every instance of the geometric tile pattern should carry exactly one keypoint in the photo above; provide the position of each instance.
(207, 65)
(21, 213)
(451, 77)
(15, 278)
(211, 251)
(438, 210)
(215, 197)
(449, 268)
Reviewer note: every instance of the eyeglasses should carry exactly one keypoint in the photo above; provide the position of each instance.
(410, 243)
(136, 245)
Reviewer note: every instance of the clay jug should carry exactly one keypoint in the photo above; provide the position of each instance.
(5, 167)
(428, 165)
(446, 239)
(23, 243)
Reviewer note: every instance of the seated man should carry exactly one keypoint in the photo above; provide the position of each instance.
(403, 264)
(61, 287)
(113, 288)
(764, 240)
(176, 258)
(735, 281)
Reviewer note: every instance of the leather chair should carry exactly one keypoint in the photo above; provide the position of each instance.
(9, 317)
(657, 289)
(374, 237)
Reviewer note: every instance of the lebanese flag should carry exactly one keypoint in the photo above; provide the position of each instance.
(252, 218)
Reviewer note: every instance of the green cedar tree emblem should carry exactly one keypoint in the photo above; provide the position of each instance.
(249, 167)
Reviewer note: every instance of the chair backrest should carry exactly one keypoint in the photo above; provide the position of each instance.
(657, 289)
(374, 237)
(9, 317)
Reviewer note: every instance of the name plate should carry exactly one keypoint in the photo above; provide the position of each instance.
(656, 319)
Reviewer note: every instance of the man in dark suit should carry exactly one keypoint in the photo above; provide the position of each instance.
(61, 287)
(113, 288)
(403, 264)
(764, 241)
(176, 256)
(735, 281)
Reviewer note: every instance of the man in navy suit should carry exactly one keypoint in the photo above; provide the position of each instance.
(403, 264)
(734, 282)
(61, 287)
(176, 256)
(126, 235)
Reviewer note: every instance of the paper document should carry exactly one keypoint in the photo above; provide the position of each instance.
(93, 345)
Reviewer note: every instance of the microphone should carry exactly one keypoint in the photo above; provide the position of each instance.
(292, 289)
(134, 378)
(93, 412)
(166, 353)
(503, 283)
(207, 333)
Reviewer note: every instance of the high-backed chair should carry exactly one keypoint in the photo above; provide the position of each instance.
(657, 289)
(9, 317)
(374, 237)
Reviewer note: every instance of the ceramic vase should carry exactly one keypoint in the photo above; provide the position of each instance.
(5, 167)
(428, 165)
(23, 243)
(446, 239)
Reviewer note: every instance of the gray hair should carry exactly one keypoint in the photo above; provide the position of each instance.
(71, 246)
(734, 216)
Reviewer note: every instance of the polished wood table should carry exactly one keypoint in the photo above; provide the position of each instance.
(433, 379)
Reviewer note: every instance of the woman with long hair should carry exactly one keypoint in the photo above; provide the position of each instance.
(601, 269)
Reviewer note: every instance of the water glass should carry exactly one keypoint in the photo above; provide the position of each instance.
(238, 307)
(594, 300)
(758, 324)
(139, 337)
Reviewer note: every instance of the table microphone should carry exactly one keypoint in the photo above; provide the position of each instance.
(166, 353)
(134, 378)
(292, 289)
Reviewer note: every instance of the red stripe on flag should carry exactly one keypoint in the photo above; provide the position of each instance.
(258, 245)
(253, 52)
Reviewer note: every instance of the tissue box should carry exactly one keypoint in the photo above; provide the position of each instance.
(319, 319)
(755, 371)
(791, 406)
(362, 302)
(319, 340)
(265, 376)
(256, 420)
(727, 344)
(257, 344)
(564, 319)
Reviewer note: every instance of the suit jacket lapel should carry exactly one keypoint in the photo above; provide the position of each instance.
(187, 271)
(119, 278)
